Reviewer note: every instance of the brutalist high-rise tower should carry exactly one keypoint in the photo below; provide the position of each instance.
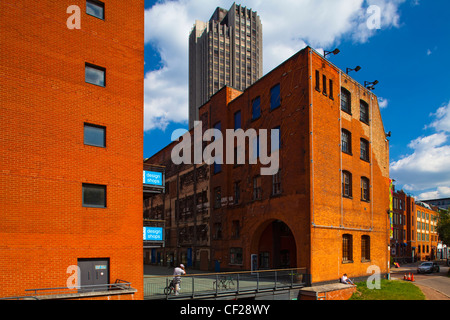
(227, 50)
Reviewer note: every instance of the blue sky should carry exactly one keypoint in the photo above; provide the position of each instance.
(408, 55)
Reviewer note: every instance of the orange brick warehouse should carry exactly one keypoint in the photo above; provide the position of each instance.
(71, 142)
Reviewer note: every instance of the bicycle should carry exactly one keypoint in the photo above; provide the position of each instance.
(170, 288)
(224, 283)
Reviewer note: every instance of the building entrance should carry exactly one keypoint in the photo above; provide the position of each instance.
(277, 248)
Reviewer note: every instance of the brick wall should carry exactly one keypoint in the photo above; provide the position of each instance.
(45, 103)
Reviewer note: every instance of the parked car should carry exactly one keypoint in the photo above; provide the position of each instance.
(428, 267)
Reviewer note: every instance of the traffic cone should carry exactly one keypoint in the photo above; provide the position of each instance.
(409, 276)
(404, 277)
(412, 277)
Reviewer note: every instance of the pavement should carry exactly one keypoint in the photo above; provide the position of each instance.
(435, 286)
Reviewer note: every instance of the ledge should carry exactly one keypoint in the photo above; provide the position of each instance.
(81, 295)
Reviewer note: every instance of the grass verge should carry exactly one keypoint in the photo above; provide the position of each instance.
(390, 290)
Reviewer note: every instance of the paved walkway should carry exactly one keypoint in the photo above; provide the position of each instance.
(433, 286)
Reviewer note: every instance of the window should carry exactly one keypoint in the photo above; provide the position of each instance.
(346, 141)
(237, 120)
(95, 75)
(256, 108)
(257, 188)
(217, 198)
(237, 192)
(94, 135)
(235, 255)
(365, 248)
(235, 229)
(217, 157)
(275, 100)
(94, 195)
(217, 231)
(324, 81)
(331, 90)
(346, 184)
(365, 189)
(364, 150)
(275, 139)
(364, 112)
(317, 80)
(95, 8)
(347, 248)
(276, 183)
(346, 101)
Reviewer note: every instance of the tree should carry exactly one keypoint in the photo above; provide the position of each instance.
(443, 226)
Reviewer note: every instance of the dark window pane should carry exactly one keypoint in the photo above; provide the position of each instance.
(95, 75)
(275, 100)
(237, 120)
(346, 142)
(94, 135)
(364, 112)
(95, 8)
(94, 195)
(256, 108)
(346, 101)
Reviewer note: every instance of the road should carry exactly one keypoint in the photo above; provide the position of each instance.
(439, 282)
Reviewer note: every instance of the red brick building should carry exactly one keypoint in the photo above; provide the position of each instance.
(415, 234)
(71, 144)
(326, 209)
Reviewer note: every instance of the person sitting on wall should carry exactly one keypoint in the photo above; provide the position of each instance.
(346, 280)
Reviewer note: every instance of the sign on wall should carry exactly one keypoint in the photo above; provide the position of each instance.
(153, 178)
(153, 234)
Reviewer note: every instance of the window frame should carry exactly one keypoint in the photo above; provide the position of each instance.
(364, 146)
(363, 119)
(96, 67)
(348, 143)
(257, 188)
(98, 4)
(256, 108)
(275, 101)
(346, 93)
(276, 183)
(98, 186)
(86, 124)
(346, 185)
(365, 248)
(347, 248)
(365, 182)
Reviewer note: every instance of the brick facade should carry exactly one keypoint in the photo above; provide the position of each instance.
(45, 103)
(301, 222)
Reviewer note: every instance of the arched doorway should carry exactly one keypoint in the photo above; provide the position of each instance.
(276, 247)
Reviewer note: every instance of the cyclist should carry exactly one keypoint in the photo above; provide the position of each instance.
(177, 279)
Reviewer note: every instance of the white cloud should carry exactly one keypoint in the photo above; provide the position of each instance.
(442, 122)
(441, 192)
(382, 103)
(288, 26)
(427, 169)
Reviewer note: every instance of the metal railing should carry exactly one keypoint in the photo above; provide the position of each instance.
(77, 290)
(225, 283)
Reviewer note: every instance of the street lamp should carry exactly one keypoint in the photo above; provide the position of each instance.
(356, 69)
(370, 85)
(335, 52)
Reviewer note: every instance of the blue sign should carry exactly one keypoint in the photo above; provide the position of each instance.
(153, 178)
(153, 234)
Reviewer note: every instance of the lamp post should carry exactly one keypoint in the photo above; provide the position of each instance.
(370, 85)
(335, 52)
(350, 69)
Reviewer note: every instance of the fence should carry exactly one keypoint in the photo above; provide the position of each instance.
(225, 283)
